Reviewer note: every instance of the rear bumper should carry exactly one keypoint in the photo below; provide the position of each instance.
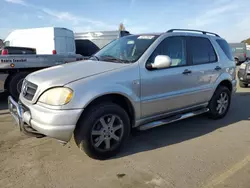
(38, 121)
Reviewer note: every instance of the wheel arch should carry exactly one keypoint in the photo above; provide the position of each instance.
(116, 98)
(7, 81)
(225, 79)
(227, 83)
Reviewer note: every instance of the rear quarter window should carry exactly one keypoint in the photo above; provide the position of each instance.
(226, 48)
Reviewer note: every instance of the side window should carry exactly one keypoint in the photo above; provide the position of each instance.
(174, 47)
(226, 48)
(201, 50)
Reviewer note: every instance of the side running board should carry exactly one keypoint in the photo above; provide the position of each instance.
(172, 119)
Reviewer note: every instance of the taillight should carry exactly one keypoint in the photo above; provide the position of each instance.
(245, 55)
(53, 51)
(5, 52)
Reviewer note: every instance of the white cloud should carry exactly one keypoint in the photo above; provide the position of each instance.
(228, 18)
(76, 20)
(20, 2)
(67, 17)
(212, 16)
(40, 17)
(62, 16)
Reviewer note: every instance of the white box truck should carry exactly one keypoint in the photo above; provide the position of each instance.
(46, 40)
(53, 46)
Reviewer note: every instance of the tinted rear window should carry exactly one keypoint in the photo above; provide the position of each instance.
(226, 48)
(202, 50)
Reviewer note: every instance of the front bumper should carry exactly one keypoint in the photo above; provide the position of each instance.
(38, 121)
(244, 75)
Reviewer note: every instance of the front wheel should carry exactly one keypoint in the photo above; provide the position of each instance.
(220, 103)
(102, 131)
(15, 84)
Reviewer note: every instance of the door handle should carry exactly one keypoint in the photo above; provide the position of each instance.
(217, 68)
(187, 71)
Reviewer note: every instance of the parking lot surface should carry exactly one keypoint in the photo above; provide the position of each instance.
(196, 152)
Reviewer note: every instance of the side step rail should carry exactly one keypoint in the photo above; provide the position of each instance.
(172, 119)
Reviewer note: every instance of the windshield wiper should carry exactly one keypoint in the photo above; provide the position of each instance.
(112, 58)
(94, 56)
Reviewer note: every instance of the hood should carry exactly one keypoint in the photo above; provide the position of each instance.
(63, 74)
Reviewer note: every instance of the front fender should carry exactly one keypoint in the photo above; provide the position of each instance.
(85, 95)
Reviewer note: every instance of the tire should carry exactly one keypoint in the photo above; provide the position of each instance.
(15, 84)
(214, 110)
(243, 85)
(90, 123)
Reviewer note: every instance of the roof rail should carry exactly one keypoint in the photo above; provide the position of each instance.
(203, 32)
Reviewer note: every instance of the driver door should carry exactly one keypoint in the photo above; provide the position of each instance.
(170, 89)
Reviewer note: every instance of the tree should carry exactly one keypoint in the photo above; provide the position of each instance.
(246, 41)
(121, 27)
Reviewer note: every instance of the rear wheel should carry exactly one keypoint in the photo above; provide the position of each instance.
(102, 131)
(243, 84)
(220, 103)
(15, 84)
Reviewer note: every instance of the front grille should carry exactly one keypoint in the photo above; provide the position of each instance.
(28, 90)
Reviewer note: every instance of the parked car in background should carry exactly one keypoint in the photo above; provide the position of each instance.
(244, 74)
(46, 40)
(11, 50)
(239, 51)
(88, 43)
(248, 51)
(138, 81)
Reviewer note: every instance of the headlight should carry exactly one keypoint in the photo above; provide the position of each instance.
(56, 96)
(243, 66)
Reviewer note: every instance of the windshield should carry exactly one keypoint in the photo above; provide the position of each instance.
(126, 49)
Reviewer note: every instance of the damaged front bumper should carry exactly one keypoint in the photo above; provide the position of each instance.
(37, 121)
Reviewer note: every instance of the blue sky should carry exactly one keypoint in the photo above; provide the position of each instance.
(229, 18)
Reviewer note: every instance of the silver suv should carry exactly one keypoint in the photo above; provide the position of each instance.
(137, 81)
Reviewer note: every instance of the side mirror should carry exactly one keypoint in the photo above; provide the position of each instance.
(160, 62)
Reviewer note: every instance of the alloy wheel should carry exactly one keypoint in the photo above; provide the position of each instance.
(107, 132)
(222, 103)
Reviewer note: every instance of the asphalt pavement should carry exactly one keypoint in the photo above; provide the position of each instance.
(196, 152)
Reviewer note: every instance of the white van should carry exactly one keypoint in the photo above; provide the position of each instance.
(47, 40)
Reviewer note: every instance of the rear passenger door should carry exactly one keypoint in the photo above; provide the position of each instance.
(205, 67)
